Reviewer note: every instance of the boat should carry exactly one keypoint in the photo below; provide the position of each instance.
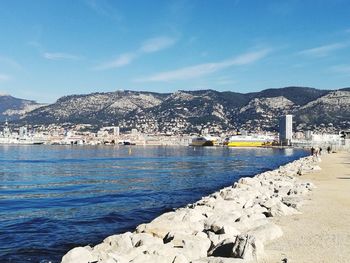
(202, 141)
(249, 141)
(126, 142)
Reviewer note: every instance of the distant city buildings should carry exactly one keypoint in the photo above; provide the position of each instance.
(176, 133)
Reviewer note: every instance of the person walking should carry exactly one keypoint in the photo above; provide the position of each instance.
(329, 149)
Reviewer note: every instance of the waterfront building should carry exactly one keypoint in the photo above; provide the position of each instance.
(6, 132)
(134, 132)
(286, 129)
(23, 132)
(116, 131)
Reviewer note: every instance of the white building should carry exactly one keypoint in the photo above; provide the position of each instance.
(286, 129)
(23, 132)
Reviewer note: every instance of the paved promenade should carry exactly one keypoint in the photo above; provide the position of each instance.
(322, 232)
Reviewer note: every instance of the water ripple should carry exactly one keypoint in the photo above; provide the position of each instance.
(53, 198)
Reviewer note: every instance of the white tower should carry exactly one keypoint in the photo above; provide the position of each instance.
(286, 129)
(6, 131)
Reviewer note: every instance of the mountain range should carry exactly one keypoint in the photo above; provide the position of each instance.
(190, 111)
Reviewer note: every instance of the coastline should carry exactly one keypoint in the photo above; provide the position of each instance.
(231, 225)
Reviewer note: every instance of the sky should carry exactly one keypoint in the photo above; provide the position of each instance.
(53, 48)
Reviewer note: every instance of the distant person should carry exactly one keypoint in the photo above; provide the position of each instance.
(312, 151)
(320, 151)
(329, 149)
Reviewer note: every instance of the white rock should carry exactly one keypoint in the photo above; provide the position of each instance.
(79, 255)
(243, 246)
(119, 242)
(151, 258)
(160, 228)
(218, 222)
(266, 233)
(180, 259)
(249, 181)
(141, 239)
(247, 223)
(196, 247)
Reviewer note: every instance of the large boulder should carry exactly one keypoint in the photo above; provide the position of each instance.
(180, 259)
(151, 258)
(161, 228)
(281, 209)
(243, 246)
(79, 255)
(142, 239)
(266, 233)
(222, 223)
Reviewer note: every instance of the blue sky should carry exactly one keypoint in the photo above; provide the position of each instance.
(53, 48)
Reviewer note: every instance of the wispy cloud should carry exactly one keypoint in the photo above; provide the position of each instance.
(156, 44)
(105, 8)
(59, 56)
(4, 77)
(52, 55)
(10, 62)
(151, 45)
(122, 60)
(323, 51)
(206, 68)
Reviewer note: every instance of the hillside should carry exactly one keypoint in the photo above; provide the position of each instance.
(192, 111)
(12, 108)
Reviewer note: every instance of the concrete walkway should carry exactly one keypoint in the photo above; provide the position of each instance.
(322, 232)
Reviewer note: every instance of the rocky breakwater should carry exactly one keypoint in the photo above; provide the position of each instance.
(231, 225)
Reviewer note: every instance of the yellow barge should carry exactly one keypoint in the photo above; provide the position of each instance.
(249, 141)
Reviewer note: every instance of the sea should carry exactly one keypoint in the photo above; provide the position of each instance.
(54, 198)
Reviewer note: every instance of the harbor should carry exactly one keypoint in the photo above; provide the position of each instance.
(111, 135)
(176, 131)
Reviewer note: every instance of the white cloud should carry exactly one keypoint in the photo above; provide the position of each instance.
(323, 51)
(151, 45)
(206, 68)
(122, 60)
(52, 55)
(4, 77)
(59, 56)
(156, 44)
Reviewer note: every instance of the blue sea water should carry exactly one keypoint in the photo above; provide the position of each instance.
(53, 198)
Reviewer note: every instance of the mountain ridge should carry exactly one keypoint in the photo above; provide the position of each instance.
(193, 111)
(12, 108)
